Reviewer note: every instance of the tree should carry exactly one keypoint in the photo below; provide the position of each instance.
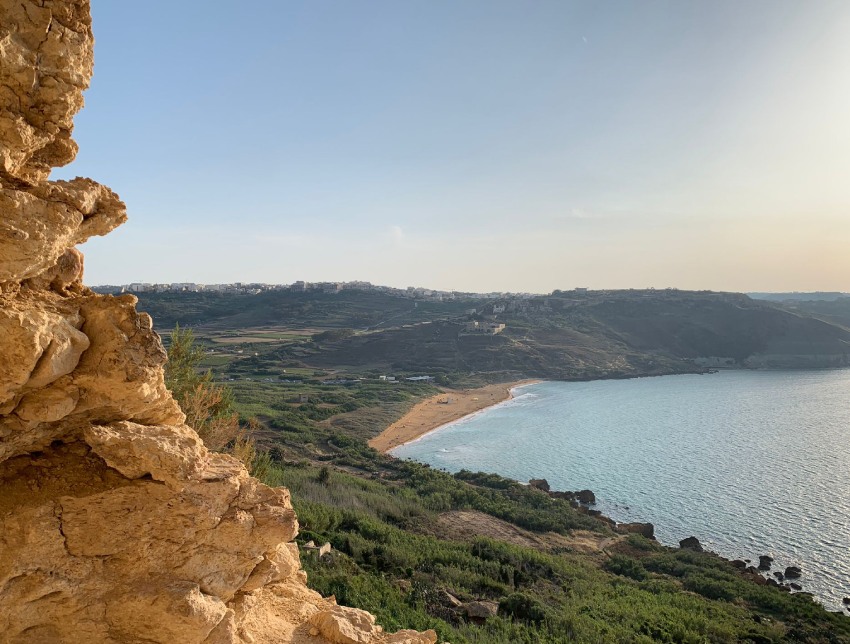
(208, 405)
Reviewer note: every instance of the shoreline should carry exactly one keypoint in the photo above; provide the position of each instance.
(821, 589)
(443, 408)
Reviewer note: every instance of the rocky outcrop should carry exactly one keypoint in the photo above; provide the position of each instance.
(116, 523)
(585, 497)
(690, 543)
(481, 610)
(645, 529)
(540, 484)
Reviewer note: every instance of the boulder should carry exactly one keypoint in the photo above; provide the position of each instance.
(481, 610)
(586, 496)
(846, 601)
(739, 564)
(447, 599)
(765, 561)
(758, 579)
(691, 543)
(793, 572)
(795, 586)
(540, 484)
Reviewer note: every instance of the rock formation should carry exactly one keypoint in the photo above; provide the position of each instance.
(116, 523)
(691, 543)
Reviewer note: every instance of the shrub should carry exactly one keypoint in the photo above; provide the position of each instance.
(523, 607)
(627, 567)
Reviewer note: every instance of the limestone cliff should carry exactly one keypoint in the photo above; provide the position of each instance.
(116, 523)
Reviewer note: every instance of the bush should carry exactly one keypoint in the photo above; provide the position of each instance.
(627, 567)
(209, 406)
(523, 607)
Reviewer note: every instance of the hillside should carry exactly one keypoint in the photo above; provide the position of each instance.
(479, 558)
(482, 559)
(565, 335)
(360, 310)
(836, 311)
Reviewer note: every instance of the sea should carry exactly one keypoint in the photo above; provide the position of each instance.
(749, 462)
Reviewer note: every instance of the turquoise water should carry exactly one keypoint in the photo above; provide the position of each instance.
(750, 462)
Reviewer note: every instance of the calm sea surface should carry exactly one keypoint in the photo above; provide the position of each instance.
(750, 462)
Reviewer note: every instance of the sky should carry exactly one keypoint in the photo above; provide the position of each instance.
(473, 145)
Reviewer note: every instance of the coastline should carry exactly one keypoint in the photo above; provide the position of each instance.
(441, 409)
(820, 581)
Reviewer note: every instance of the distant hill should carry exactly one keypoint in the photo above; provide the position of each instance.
(361, 310)
(835, 311)
(566, 335)
(799, 297)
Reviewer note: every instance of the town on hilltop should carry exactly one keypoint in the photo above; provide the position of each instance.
(254, 288)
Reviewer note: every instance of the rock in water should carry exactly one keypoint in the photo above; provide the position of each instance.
(586, 496)
(691, 543)
(765, 561)
(116, 523)
(793, 572)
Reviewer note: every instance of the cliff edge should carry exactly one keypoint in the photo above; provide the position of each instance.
(116, 523)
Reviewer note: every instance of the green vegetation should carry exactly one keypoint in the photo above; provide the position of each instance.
(411, 544)
(209, 406)
(390, 556)
(386, 561)
(565, 335)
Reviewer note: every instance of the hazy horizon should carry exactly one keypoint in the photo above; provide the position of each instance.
(437, 289)
(473, 146)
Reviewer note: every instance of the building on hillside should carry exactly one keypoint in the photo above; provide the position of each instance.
(487, 328)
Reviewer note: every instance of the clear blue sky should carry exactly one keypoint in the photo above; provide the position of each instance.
(481, 145)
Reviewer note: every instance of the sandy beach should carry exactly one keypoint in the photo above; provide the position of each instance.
(445, 407)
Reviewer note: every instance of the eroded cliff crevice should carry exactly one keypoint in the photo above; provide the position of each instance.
(116, 522)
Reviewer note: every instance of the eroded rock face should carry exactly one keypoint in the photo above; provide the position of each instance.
(116, 523)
